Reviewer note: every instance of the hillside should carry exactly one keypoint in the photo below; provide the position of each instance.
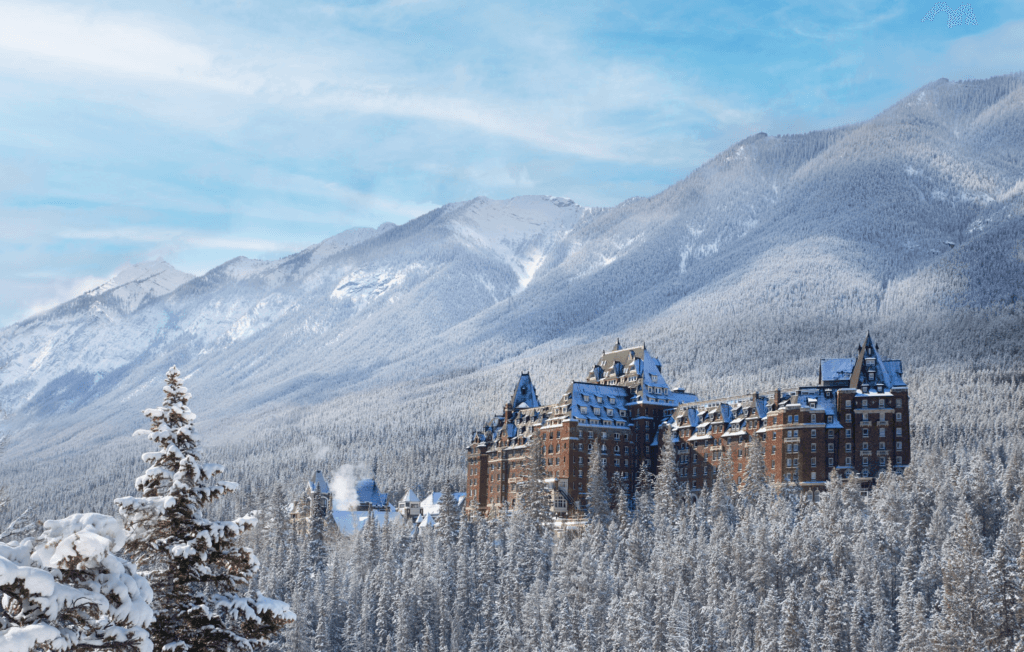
(384, 346)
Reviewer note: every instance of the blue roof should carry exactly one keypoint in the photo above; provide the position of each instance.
(367, 492)
(836, 369)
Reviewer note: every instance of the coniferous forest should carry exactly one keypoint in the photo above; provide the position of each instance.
(385, 350)
(928, 560)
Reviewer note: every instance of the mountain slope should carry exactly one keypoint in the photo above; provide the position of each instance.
(388, 344)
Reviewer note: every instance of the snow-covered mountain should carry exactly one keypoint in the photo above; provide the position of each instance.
(388, 343)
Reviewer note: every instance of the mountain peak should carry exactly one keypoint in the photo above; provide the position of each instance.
(138, 282)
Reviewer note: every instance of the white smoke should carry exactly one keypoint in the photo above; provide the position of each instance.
(343, 485)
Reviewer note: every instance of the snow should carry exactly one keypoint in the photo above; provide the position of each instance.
(24, 639)
(139, 282)
(276, 608)
(518, 231)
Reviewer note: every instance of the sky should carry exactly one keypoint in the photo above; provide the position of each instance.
(198, 132)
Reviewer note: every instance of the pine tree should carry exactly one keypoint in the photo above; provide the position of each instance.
(67, 590)
(666, 485)
(196, 566)
(598, 491)
(533, 501)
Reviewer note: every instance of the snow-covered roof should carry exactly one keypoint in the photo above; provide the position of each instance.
(602, 409)
(836, 369)
(351, 522)
(524, 395)
(318, 484)
(410, 497)
(431, 503)
(367, 492)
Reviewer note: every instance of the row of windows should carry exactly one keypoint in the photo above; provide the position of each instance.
(849, 433)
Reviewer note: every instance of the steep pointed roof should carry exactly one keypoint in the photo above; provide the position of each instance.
(867, 370)
(410, 497)
(524, 395)
(318, 485)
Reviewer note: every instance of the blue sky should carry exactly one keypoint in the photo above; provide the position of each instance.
(202, 131)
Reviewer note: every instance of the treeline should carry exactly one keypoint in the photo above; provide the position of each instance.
(928, 560)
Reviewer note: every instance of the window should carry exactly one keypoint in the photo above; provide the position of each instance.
(686, 472)
(789, 462)
(865, 417)
(828, 419)
(849, 433)
(814, 476)
(831, 434)
(881, 402)
(881, 445)
(616, 448)
(616, 436)
(814, 418)
(899, 445)
(849, 417)
(814, 461)
(814, 448)
(814, 433)
(864, 446)
(864, 461)
(795, 447)
(881, 432)
(899, 459)
(849, 404)
(773, 464)
(773, 449)
(849, 461)
(831, 447)
(849, 447)
(899, 402)
(773, 435)
(899, 416)
(899, 432)
(831, 461)
(864, 432)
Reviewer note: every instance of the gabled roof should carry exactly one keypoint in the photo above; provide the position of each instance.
(866, 370)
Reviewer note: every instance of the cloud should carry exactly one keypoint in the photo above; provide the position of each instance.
(56, 291)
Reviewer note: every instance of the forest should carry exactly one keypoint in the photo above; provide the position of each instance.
(927, 560)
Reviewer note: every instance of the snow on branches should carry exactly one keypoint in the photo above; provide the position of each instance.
(67, 590)
(196, 565)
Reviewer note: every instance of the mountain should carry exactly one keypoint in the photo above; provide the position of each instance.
(385, 346)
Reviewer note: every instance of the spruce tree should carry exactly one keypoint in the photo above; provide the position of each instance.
(66, 590)
(196, 566)
(598, 491)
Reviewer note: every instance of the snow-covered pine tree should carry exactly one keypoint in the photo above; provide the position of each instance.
(666, 484)
(533, 498)
(196, 566)
(598, 491)
(67, 590)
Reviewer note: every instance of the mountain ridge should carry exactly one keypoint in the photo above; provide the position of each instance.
(778, 251)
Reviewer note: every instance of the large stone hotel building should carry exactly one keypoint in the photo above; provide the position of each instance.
(854, 420)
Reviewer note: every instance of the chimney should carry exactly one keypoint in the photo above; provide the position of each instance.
(778, 398)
